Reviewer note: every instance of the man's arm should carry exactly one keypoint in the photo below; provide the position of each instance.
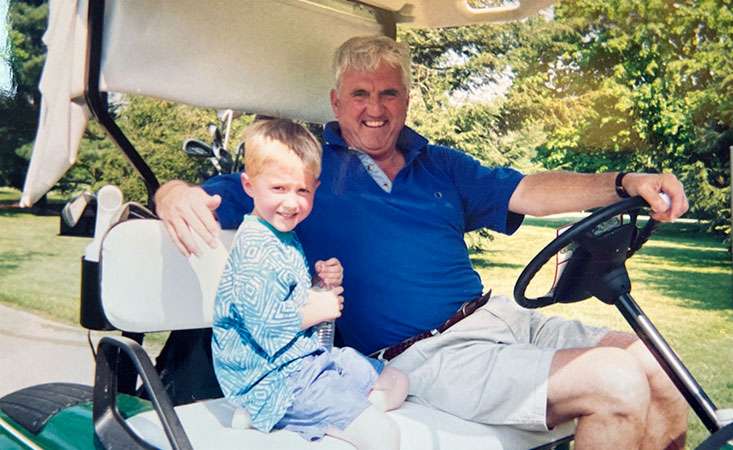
(559, 192)
(184, 209)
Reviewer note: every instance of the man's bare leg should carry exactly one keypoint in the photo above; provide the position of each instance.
(606, 389)
(666, 422)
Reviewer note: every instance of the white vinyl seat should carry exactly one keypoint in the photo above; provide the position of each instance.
(207, 425)
(148, 285)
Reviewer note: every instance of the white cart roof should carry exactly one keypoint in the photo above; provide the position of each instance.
(269, 57)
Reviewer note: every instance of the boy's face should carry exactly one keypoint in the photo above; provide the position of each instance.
(283, 190)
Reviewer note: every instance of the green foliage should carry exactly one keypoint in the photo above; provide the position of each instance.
(595, 86)
(634, 86)
(706, 200)
(157, 129)
(19, 107)
(458, 62)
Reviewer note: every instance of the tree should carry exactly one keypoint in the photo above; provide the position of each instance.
(595, 86)
(19, 108)
(636, 86)
(157, 129)
(459, 62)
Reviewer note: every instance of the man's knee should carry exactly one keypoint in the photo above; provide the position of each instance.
(622, 385)
(661, 385)
(603, 381)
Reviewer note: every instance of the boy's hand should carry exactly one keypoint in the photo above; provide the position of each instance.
(322, 305)
(329, 272)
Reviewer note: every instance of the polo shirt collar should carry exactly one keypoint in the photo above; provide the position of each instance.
(409, 141)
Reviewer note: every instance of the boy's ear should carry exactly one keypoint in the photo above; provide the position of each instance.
(246, 184)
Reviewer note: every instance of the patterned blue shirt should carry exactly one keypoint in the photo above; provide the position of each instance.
(257, 341)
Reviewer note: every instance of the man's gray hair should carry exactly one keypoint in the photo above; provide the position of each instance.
(364, 53)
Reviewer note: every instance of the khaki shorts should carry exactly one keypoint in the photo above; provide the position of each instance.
(492, 367)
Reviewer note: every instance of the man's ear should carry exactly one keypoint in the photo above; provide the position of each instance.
(246, 184)
(334, 102)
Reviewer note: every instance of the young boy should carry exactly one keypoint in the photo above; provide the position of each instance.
(266, 355)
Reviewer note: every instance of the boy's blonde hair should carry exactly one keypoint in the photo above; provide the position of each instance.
(364, 53)
(293, 135)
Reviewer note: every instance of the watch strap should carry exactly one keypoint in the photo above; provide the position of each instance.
(620, 191)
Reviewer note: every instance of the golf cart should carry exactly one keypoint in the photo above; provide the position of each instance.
(134, 279)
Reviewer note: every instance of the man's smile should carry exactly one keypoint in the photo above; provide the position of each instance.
(374, 123)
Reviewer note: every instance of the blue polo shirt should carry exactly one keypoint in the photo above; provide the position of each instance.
(406, 265)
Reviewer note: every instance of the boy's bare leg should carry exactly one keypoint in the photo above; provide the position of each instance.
(371, 430)
(390, 389)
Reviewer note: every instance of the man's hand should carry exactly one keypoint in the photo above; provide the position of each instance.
(329, 273)
(649, 186)
(186, 210)
(322, 305)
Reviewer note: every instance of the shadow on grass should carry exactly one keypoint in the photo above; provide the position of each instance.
(695, 290)
(665, 229)
(548, 223)
(11, 260)
(15, 211)
(41, 208)
(698, 258)
(690, 282)
(12, 212)
(484, 262)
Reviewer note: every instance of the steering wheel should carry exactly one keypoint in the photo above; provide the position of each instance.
(596, 266)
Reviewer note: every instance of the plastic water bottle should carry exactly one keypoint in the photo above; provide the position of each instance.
(325, 332)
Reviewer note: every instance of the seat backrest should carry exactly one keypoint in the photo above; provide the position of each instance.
(147, 285)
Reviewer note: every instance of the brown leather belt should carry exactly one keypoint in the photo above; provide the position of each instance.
(464, 311)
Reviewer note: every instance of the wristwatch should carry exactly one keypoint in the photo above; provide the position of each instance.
(620, 191)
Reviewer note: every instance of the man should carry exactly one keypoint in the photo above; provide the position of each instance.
(393, 209)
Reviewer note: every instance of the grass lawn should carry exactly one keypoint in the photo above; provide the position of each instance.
(682, 279)
(40, 271)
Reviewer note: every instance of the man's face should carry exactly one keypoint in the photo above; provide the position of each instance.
(371, 108)
(283, 190)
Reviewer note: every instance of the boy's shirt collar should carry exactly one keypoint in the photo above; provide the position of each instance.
(284, 236)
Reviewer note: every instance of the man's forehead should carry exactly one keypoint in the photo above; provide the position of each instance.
(384, 77)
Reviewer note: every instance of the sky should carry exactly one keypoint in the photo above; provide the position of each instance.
(4, 68)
